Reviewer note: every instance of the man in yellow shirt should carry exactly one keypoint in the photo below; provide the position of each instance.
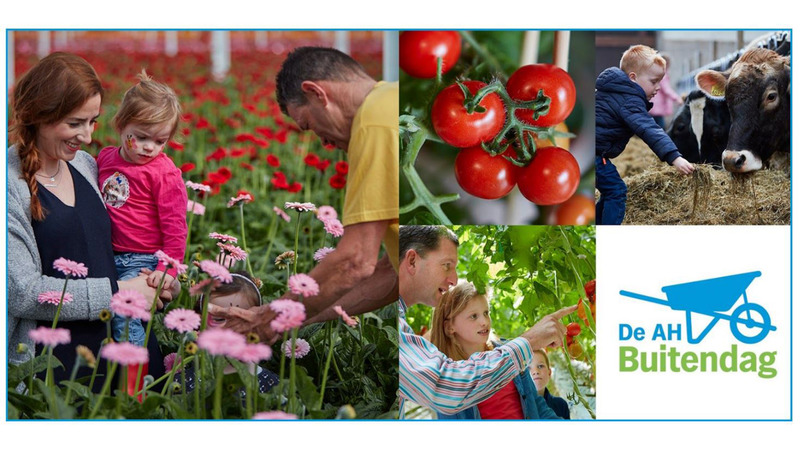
(329, 93)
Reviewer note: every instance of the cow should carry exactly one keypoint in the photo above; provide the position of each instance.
(700, 128)
(757, 90)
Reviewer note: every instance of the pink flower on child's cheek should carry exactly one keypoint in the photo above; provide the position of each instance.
(70, 268)
(50, 337)
(301, 348)
(302, 284)
(182, 320)
(54, 297)
(125, 353)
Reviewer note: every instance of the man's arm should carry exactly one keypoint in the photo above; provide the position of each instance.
(378, 290)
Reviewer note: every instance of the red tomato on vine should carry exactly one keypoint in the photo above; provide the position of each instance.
(484, 175)
(460, 128)
(578, 210)
(525, 83)
(551, 177)
(419, 51)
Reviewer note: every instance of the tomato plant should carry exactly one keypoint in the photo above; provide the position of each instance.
(458, 126)
(420, 51)
(483, 175)
(573, 329)
(551, 178)
(527, 81)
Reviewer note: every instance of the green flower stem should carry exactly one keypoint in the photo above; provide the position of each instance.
(273, 228)
(292, 378)
(204, 314)
(103, 391)
(169, 376)
(149, 327)
(331, 344)
(72, 376)
(60, 303)
(575, 386)
(244, 239)
(48, 379)
(296, 239)
(96, 365)
(220, 365)
(198, 411)
(123, 390)
(189, 229)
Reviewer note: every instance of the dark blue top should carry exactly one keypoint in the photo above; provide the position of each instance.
(620, 112)
(557, 404)
(80, 233)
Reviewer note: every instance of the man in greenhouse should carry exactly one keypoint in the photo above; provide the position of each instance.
(429, 255)
(329, 93)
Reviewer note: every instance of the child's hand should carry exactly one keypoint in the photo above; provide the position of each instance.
(155, 278)
(683, 166)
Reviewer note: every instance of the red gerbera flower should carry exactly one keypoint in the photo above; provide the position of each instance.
(342, 167)
(311, 160)
(337, 181)
(176, 146)
(295, 187)
(273, 160)
(187, 167)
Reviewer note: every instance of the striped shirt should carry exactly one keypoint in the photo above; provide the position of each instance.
(428, 377)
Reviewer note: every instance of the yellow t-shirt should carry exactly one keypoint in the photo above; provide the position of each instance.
(373, 155)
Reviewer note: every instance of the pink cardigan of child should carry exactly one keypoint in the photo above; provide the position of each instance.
(146, 204)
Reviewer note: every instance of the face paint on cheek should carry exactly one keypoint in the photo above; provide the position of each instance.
(130, 142)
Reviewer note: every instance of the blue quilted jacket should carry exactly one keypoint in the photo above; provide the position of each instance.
(620, 112)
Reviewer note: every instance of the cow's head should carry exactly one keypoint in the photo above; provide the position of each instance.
(757, 92)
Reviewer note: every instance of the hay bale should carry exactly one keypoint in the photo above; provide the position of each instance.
(657, 194)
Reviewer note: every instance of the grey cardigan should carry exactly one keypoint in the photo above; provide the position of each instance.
(25, 279)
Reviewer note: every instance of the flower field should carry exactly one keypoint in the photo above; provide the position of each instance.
(249, 171)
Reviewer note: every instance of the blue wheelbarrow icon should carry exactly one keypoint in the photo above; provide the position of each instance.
(712, 297)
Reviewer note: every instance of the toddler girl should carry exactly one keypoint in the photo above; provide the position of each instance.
(143, 191)
(462, 326)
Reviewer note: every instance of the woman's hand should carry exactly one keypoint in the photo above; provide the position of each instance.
(139, 284)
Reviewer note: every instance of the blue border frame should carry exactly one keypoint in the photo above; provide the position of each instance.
(791, 200)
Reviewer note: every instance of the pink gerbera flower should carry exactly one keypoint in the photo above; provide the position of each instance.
(302, 284)
(274, 415)
(291, 314)
(195, 208)
(347, 319)
(223, 237)
(182, 320)
(253, 353)
(124, 353)
(221, 342)
(171, 262)
(54, 297)
(216, 271)
(333, 227)
(300, 207)
(247, 198)
(301, 348)
(131, 304)
(198, 186)
(170, 360)
(326, 213)
(233, 251)
(320, 254)
(281, 214)
(70, 268)
(50, 337)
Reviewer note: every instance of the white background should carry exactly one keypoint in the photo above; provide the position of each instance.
(643, 260)
(394, 14)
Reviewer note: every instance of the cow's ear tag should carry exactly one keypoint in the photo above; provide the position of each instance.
(717, 91)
